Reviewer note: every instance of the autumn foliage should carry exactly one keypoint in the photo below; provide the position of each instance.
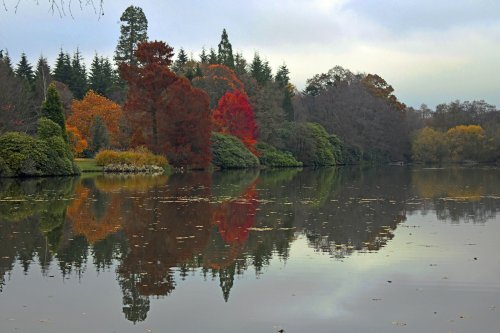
(138, 157)
(169, 116)
(378, 87)
(148, 82)
(235, 116)
(84, 112)
(217, 80)
(77, 143)
(187, 129)
(458, 144)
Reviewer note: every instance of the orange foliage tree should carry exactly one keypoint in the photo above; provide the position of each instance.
(216, 81)
(235, 116)
(169, 115)
(84, 112)
(377, 86)
(76, 142)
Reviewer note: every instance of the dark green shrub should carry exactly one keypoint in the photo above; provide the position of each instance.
(47, 129)
(272, 157)
(323, 153)
(46, 155)
(4, 168)
(308, 142)
(20, 153)
(230, 153)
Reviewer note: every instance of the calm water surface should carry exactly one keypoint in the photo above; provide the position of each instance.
(331, 250)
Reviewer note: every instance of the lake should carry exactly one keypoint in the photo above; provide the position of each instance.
(390, 249)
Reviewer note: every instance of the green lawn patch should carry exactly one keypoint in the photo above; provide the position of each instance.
(88, 165)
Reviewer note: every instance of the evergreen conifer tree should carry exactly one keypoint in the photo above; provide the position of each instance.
(133, 30)
(78, 82)
(180, 63)
(282, 77)
(4, 57)
(204, 56)
(260, 70)
(62, 70)
(212, 57)
(52, 108)
(283, 80)
(24, 70)
(240, 64)
(6, 60)
(42, 78)
(225, 55)
(198, 72)
(267, 73)
(190, 74)
(101, 76)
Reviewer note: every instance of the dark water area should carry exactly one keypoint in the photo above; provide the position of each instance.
(390, 249)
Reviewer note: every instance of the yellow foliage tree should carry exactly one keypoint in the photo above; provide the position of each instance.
(429, 146)
(84, 112)
(466, 142)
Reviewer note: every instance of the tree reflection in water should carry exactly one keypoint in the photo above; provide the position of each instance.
(158, 230)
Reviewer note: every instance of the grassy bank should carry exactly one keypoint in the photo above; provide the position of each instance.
(88, 165)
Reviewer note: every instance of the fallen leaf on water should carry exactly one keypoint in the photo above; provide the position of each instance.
(399, 323)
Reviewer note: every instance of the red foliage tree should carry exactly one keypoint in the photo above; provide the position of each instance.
(167, 114)
(148, 82)
(187, 140)
(235, 116)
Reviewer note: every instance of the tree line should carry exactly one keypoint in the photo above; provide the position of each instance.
(184, 108)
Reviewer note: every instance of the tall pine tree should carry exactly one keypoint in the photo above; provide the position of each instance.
(24, 70)
(225, 55)
(260, 70)
(101, 76)
(62, 70)
(179, 66)
(4, 57)
(78, 83)
(203, 56)
(282, 78)
(240, 64)
(42, 78)
(212, 57)
(133, 30)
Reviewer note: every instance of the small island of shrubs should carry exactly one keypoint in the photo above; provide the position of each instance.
(140, 160)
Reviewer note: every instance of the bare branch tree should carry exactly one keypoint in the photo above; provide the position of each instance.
(62, 7)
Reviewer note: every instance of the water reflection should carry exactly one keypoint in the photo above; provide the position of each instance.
(458, 194)
(155, 231)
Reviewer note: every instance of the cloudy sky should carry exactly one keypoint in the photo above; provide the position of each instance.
(430, 51)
